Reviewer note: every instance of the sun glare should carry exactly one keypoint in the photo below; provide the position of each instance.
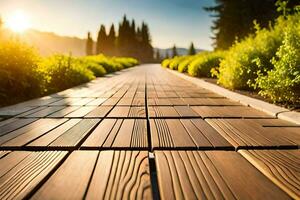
(18, 21)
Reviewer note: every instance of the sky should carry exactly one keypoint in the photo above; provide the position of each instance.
(171, 22)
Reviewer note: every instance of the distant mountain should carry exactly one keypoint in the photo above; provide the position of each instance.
(49, 43)
(180, 51)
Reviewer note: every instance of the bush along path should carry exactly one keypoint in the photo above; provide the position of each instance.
(25, 75)
(267, 62)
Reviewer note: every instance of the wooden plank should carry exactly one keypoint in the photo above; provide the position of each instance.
(81, 112)
(162, 111)
(74, 135)
(171, 112)
(63, 112)
(274, 123)
(47, 111)
(138, 101)
(211, 175)
(48, 138)
(36, 128)
(125, 101)
(185, 111)
(26, 171)
(210, 102)
(111, 101)
(118, 133)
(121, 175)
(71, 180)
(14, 124)
(99, 112)
(280, 166)
(66, 101)
(34, 133)
(229, 112)
(185, 133)
(126, 111)
(97, 102)
(242, 133)
(104, 175)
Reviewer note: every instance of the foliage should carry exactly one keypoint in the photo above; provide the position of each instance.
(192, 50)
(89, 45)
(25, 75)
(19, 77)
(130, 41)
(166, 62)
(176, 61)
(282, 83)
(244, 59)
(233, 19)
(183, 65)
(203, 63)
(174, 52)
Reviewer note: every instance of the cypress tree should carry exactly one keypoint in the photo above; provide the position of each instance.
(89, 45)
(157, 56)
(111, 41)
(102, 40)
(192, 50)
(174, 51)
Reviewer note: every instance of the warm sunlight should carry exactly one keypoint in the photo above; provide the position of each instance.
(18, 21)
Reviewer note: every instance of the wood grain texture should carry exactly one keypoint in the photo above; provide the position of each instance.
(103, 175)
(81, 112)
(118, 133)
(209, 102)
(127, 112)
(229, 112)
(33, 133)
(21, 172)
(45, 112)
(29, 132)
(121, 175)
(185, 133)
(244, 134)
(280, 166)
(211, 175)
(71, 179)
(99, 112)
(74, 135)
(13, 124)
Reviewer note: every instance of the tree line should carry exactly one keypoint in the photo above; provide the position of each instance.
(129, 41)
(234, 18)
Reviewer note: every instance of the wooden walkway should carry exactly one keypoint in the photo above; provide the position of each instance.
(145, 134)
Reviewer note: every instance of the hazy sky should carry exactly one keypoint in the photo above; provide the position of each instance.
(170, 21)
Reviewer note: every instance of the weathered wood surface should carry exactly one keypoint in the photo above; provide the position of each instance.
(211, 175)
(96, 141)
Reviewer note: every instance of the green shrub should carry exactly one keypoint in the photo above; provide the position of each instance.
(19, 78)
(239, 68)
(97, 69)
(166, 62)
(126, 62)
(204, 62)
(282, 84)
(183, 65)
(62, 72)
(176, 61)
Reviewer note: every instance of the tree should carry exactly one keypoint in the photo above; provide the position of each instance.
(234, 18)
(174, 51)
(102, 40)
(167, 55)
(192, 50)
(89, 45)
(157, 56)
(111, 41)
